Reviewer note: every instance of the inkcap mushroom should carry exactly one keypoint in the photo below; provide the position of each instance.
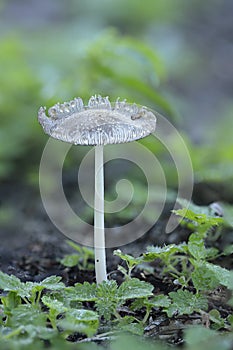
(98, 123)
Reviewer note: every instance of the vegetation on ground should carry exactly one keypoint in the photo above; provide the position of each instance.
(51, 313)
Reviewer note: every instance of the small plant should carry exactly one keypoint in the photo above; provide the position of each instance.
(49, 312)
(83, 259)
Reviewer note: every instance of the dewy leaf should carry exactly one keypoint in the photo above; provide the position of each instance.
(163, 253)
(54, 304)
(185, 302)
(81, 321)
(12, 283)
(82, 292)
(222, 275)
(160, 301)
(131, 261)
(203, 278)
(134, 288)
(196, 246)
(107, 300)
(10, 301)
(28, 315)
(52, 283)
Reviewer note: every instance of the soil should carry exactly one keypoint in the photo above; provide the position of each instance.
(31, 249)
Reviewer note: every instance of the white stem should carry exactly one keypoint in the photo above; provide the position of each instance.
(99, 237)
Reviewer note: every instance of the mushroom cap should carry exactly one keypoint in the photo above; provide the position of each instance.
(98, 123)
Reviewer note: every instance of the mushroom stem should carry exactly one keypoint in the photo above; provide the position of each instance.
(99, 237)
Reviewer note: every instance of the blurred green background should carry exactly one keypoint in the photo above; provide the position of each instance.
(174, 56)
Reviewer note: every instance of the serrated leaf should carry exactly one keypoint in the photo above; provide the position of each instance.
(203, 217)
(81, 321)
(134, 288)
(10, 302)
(12, 283)
(222, 275)
(54, 304)
(185, 302)
(82, 292)
(157, 301)
(196, 246)
(9, 282)
(107, 300)
(163, 253)
(204, 279)
(52, 283)
(160, 301)
(131, 260)
(131, 325)
(28, 314)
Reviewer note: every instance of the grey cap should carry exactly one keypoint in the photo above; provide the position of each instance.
(98, 123)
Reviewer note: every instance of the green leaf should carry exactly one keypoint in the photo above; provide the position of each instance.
(52, 283)
(54, 304)
(202, 217)
(196, 246)
(134, 288)
(81, 321)
(138, 304)
(131, 325)
(197, 249)
(10, 302)
(221, 274)
(82, 259)
(129, 259)
(12, 283)
(40, 332)
(218, 321)
(128, 342)
(107, 299)
(28, 315)
(185, 302)
(160, 301)
(230, 319)
(70, 260)
(203, 278)
(82, 292)
(197, 336)
(164, 253)
(228, 250)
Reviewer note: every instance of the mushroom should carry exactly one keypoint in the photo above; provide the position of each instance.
(98, 124)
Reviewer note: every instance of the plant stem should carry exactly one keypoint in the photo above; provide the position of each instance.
(99, 237)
